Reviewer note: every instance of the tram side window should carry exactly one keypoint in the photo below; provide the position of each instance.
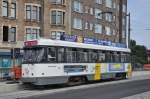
(101, 56)
(123, 58)
(79, 56)
(117, 57)
(71, 55)
(113, 57)
(52, 54)
(61, 54)
(128, 58)
(108, 57)
(85, 56)
(93, 56)
(82, 56)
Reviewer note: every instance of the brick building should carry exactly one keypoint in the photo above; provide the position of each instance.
(31, 19)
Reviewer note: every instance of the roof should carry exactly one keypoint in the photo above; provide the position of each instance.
(49, 42)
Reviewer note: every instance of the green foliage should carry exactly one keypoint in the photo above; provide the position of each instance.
(138, 53)
(133, 43)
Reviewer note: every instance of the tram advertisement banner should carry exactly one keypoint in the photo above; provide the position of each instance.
(116, 67)
(74, 69)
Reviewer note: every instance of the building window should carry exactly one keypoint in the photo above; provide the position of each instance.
(86, 25)
(5, 8)
(12, 34)
(108, 30)
(91, 11)
(32, 33)
(28, 12)
(108, 17)
(86, 9)
(124, 21)
(98, 1)
(77, 23)
(91, 26)
(13, 10)
(109, 3)
(98, 28)
(98, 14)
(114, 32)
(114, 18)
(57, 17)
(77, 6)
(5, 33)
(33, 12)
(57, 35)
(124, 8)
(123, 33)
(9, 34)
(61, 2)
(114, 5)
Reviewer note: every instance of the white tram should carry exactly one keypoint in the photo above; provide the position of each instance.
(56, 62)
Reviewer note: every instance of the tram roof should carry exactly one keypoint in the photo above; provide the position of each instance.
(49, 42)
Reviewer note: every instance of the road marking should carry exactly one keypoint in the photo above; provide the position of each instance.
(145, 95)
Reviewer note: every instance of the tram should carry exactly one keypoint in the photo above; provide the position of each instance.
(47, 61)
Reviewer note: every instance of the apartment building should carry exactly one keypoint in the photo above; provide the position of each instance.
(19, 20)
(32, 19)
(86, 18)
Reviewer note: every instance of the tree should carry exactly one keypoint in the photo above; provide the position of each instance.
(138, 53)
(133, 43)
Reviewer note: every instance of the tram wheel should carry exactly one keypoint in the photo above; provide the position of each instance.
(76, 80)
(120, 76)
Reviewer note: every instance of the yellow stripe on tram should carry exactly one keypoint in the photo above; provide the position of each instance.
(97, 75)
(129, 71)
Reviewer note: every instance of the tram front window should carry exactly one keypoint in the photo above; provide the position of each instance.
(33, 55)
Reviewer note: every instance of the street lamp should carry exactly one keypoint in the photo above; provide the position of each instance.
(129, 30)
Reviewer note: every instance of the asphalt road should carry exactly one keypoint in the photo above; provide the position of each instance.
(112, 91)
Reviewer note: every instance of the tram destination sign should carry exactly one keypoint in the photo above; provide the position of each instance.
(30, 43)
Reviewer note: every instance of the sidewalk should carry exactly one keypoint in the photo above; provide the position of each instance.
(140, 73)
(9, 86)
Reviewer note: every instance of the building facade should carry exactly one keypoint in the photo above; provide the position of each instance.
(19, 20)
(86, 18)
(32, 19)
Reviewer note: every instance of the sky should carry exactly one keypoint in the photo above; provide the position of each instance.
(140, 21)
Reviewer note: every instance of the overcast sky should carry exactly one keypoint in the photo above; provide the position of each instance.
(140, 21)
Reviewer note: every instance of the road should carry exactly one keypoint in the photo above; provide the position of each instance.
(112, 91)
(139, 83)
